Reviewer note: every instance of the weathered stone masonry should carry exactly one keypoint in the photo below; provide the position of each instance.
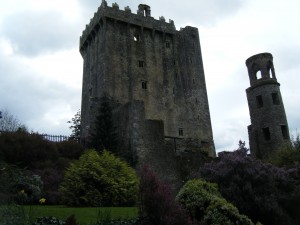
(155, 76)
(269, 128)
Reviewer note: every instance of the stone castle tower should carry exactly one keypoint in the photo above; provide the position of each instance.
(269, 128)
(155, 76)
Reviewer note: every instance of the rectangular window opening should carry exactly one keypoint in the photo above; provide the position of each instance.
(141, 63)
(266, 133)
(284, 132)
(144, 85)
(259, 101)
(180, 132)
(168, 44)
(275, 99)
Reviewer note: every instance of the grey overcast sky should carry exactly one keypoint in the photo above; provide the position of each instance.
(41, 68)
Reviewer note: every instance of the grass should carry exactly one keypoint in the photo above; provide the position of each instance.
(84, 215)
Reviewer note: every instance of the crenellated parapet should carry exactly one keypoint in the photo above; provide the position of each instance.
(142, 18)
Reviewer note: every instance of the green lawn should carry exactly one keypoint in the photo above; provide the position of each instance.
(83, 215)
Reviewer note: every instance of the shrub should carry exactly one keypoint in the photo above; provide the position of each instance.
(52, 178)
(119, 222)
(13, 214)
(70, 149)
(288, 156)
(259, 190)
(50, 220)
(20, 186)
(29, 188)
(99, 180)
(157, 205)
(204, 203)
(8, 178)
(26, 150)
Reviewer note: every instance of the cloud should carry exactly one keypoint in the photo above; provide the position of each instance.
(41, 102)
(34, 33)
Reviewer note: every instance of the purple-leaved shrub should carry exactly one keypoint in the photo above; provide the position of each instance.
(157, 204)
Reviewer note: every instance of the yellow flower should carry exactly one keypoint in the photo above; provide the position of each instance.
(42, 200)
(22, 191)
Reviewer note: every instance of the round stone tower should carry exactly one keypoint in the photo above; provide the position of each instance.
(269, 128)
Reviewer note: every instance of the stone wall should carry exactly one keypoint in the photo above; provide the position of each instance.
(268, 131)
(154, 75)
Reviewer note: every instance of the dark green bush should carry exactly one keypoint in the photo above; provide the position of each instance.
(205, 204)
(19, 185)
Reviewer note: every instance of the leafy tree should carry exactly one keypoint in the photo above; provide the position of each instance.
(10, 123)
(288, 155)
(76, 126)
(99, 180)
(104, 135)
(157, 204)
(205, 203)
(259, 190)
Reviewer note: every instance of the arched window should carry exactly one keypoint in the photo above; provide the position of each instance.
(256, 72)
(270, 69)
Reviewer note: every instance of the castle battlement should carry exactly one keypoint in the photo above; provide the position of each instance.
(142, 19)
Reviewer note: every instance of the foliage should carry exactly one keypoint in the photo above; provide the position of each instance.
(26, 150)
(69, 149)
(42, 157)
(259, 190)
(119, 222)
(157, 204)
(104, 133)
(205, 204)
(85, 215)
(32, 151)
(13, 214)
(29, 188)
(71, 220)
(10, 123)
(75, 126)
(99, 180)
(8, 179)
(48, 221)
(19, 186)
(52, 178)
(288, 155)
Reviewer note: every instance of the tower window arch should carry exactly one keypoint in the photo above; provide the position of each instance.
(271, 70)
(136, 37)
(256, 72)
